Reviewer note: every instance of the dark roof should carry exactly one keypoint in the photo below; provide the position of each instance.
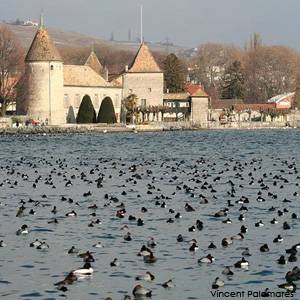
(42, 48)
(224, 103)
(144, 62)
(252, 106)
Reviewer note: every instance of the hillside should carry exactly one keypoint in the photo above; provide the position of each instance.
(64, 38)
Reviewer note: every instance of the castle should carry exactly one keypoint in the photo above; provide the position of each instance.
(54, 87)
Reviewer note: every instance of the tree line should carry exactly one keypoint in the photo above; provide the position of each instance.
(255, 73)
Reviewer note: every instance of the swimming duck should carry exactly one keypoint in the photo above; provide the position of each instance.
(127, 236)
(71, 214)
(2, 244)
(244, 229)
(292, 257)
(115, 263)
(179, 238)
(85, 270)
(144, 251)
(274, 221)
(226, 242)
(281, 260)
(242, 263)
(212, 246)
(43, 246)
(194, 248)
(141, 291)
(289, 286)
(73, 250)
(152, 243)
(98, 245)
(227, 271)
(264, 248)
(169, 284)
(239, 236)
(150, 258)
(89, 258)
(208, 259)
(228, 221)
(286, 226)
(259, 224)
(278, 239)
(290, 276)
(35, 243)
(146, 277)
(217, 283)
(68, 280)
(23, 230)
(246, 252)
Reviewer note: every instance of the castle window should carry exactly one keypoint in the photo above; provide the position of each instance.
(150, 90)
(130, 91)
(96, 100)
(143, 102)
(51, 67)
(117, 100)
(77, 100)
(66, 101)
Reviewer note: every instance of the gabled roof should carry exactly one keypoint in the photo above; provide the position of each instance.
(144, 62)
(42, 48)
(93, 62)
(196, 90)
(278, 98)
(83, 76)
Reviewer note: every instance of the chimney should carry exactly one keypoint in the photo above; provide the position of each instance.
(126, 68)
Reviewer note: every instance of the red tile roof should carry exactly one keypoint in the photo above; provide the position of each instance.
(94, 63)
(42, 48)
(224, 103)
(144, 62)
(252, 106)
(196, 90)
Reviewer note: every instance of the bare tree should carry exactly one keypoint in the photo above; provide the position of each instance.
(11, 66)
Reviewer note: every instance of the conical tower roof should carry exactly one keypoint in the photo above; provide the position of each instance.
(144, 62)
(42, 47)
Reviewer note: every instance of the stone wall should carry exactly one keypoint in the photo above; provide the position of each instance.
(199, 111)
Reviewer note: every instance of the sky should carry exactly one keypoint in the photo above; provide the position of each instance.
(187, 23)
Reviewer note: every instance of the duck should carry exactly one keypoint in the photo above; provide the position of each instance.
(194, 248)
(242, 263)
(72, 250)
(152, 243)
(144, 251)
(84, 255)
(228, 221)
(89, 258)
(179, 238)
(178, 216)
(23, 230)
(2, 244)
(141, 291)
(239, 236)
(290, 276)
(241, 218)
(288, 286)
(35, 243)
(274, 221)
(140, 222)
(150, 258)
(226, 242)
(227, 271)
(212, 246)
(264, 248)
(169, 284)
(281, 260)
(68, 280)
(127, 236)
(43, 246)
(115, 263)
(98, 245)
(244, 229)
(85, 270)
(217, 283)
(208, 259)
(246, 252)
(278, 239)
(286, 226)
(146, 277)
(259, 224)
(71, 214)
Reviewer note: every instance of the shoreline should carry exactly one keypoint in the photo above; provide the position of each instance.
(90, 129)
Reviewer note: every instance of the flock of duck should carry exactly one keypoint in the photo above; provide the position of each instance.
(217, 207)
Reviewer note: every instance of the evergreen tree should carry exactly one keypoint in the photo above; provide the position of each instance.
(296, 98)
(233, 81)
(71, 116)
(86, 112)
(107, 112)
(174, 73)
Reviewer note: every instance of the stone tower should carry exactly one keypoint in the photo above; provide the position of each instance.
(44, 73)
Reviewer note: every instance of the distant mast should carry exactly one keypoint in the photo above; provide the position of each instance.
(141, 24)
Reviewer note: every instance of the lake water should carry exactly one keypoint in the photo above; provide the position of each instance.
(165, 162)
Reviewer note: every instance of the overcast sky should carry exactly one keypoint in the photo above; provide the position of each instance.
(184, 22)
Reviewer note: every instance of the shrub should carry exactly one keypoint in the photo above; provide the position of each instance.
(107, 112)
(71, 116)
(86, 112)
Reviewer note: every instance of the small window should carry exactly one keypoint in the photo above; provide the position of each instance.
(96, 100)
(77, 100)
(150, 90)
(117, 100)
(52, 67)
(186, 104)
(66, 101)
(104, 95)
(130, 91)
(143, 102)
